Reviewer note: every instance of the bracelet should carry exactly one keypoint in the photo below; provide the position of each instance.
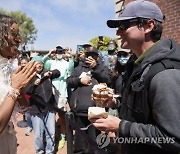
(13, 93)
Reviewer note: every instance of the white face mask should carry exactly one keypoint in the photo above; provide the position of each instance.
(59, 56)
(111, 47)
(122, 60)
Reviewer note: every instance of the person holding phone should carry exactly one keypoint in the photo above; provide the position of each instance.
(89, 72)
(65, 67)
(80, 53)
(100, 42)
(41, 100)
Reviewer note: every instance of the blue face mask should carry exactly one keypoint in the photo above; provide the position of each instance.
(122, 60)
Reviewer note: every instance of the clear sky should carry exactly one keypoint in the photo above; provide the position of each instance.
(65, 22)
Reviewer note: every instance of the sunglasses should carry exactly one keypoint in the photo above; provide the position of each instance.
(124, 25)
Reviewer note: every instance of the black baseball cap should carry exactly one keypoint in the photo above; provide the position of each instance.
(92, 50)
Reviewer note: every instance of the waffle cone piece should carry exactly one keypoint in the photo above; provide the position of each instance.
(96, 113)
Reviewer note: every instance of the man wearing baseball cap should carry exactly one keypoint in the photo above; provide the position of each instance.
(150, 108)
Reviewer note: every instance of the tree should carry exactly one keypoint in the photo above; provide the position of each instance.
(27, 29)
(100, 44)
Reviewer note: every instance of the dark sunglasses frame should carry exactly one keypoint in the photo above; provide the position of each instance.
(124, 25)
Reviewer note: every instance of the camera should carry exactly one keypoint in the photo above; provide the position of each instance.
(60, 50)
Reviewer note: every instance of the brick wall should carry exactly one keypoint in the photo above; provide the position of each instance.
(171, 9)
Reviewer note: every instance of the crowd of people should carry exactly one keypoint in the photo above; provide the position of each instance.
(144, 74)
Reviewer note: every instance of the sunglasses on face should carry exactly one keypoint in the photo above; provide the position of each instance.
(124, 25)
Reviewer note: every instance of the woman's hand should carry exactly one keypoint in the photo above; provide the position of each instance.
(20, 78)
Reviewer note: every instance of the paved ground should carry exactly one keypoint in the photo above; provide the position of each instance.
(26, 143)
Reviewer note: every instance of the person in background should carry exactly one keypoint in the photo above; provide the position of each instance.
(23, 54)
(150, 108)
(12, 83)
(88, 73)
(41, 107)
(117, 85)
(119, 71)
(27, 116)
(80, 53)
(68, 54)
(86, 45)
(118, 78)
(111, 57)
(65, 64)
(23, 61)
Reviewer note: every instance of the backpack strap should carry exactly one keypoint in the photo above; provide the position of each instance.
(159, 67)
(148, 73)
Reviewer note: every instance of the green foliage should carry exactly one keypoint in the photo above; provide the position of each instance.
(27, 29)
(103, 46)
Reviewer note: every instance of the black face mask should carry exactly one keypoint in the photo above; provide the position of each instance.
(111, 52)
